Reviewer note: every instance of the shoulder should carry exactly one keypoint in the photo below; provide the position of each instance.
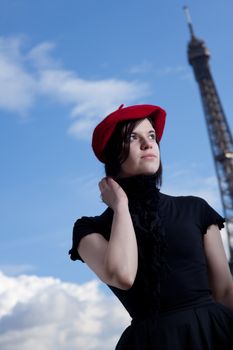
(188, 199)
(90, 224)
(94, 222)
(189, 206)
(194, 207)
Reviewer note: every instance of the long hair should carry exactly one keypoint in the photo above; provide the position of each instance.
(118, 147)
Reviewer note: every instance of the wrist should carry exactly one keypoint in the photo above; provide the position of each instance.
(121, 207)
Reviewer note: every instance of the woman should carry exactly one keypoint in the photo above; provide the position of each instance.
(161, 255)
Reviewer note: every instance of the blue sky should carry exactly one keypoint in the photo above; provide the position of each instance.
(63, 66)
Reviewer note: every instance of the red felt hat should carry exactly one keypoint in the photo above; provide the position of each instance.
(104, 130)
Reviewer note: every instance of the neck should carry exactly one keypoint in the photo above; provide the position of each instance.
(139, 186)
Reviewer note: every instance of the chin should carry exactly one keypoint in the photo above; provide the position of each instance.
(147, 172)
(140, 170)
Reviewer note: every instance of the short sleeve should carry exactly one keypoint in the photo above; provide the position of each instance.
(88, 225)
(209, 216)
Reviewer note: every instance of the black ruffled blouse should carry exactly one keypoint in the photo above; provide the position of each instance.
(172, 268)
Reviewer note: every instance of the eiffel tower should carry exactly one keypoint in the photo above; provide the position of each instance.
(218, 130)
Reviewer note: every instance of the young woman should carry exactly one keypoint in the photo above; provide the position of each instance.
(161, 255)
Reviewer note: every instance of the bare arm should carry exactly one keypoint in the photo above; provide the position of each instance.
(115, 261)
(220, 277)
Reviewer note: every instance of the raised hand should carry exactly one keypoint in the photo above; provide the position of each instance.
(112, 193)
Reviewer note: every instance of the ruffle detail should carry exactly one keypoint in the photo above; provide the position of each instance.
(144, 198)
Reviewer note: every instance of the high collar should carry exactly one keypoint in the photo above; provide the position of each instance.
(139, 186)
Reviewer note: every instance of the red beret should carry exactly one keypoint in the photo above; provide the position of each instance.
(104, 130)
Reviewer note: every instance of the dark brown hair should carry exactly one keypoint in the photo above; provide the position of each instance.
(117, 149)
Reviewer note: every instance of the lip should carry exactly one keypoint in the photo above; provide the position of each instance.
(149, 156)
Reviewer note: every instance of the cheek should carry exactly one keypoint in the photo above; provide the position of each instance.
(133, 155)
(130, 162)
(157, 149)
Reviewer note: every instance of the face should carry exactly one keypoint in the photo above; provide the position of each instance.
(144, 155)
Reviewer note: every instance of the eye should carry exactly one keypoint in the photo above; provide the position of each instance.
(152, 136)
(132, 137)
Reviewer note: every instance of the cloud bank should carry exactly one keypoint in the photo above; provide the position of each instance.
(28, 74)
(46, 313)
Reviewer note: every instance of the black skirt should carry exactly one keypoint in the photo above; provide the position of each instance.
(205, 326)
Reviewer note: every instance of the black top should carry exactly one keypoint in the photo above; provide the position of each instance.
(179, 226)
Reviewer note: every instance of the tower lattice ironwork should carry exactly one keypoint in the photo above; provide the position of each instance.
(218, 129)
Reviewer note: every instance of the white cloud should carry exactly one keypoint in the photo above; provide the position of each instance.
(25, 76)
(17, 86)
(172, 70)
(147, 67)
(45, 313)
(90, 100)
(144, 67)
(40, 55)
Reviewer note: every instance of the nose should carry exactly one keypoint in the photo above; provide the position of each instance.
(145, 144)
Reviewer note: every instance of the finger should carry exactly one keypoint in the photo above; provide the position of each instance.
(102, 183)
(113, 183)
